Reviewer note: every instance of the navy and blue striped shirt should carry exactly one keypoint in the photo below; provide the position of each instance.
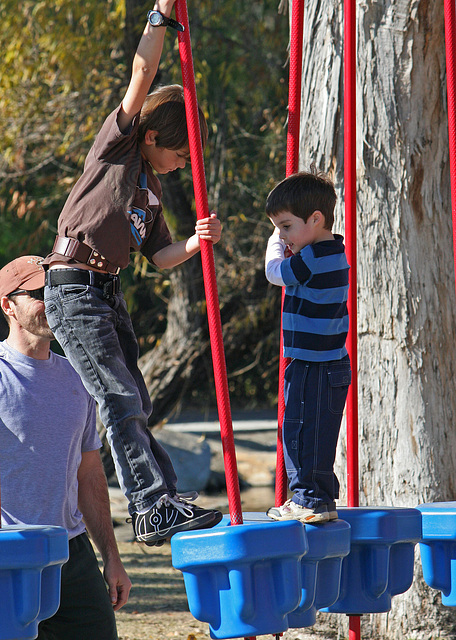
(315, 316)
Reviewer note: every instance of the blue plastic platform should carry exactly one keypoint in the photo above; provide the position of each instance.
(31, 558)
(381, 560)
(321, 569)
(243, 580)
(438, 548)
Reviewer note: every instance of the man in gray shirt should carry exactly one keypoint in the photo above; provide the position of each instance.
(50, 466)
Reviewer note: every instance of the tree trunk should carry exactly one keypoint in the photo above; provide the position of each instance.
(406, 293)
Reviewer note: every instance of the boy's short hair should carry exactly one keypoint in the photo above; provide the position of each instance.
(303, 193)
(164, 111)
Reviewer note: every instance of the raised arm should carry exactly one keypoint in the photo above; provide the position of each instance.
(145, 66)
(93, 502)
(275, 254)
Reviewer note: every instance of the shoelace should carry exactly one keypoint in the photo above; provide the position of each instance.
(180, 505)
(177, 498)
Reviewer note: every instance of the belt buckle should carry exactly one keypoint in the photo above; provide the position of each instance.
(111, 287)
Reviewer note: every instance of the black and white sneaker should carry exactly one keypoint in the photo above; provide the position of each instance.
(170, 515)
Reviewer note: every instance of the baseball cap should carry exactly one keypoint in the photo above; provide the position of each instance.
(23, 273)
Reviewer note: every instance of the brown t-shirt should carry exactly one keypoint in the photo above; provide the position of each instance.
(115, 206)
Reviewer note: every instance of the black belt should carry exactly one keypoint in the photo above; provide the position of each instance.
(110, 284)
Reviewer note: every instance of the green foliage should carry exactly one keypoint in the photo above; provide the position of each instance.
(60, 69)
(63, 68)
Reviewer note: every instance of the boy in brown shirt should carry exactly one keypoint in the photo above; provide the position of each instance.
(115, 208)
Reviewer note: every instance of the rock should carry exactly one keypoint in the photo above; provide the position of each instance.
(191, 458)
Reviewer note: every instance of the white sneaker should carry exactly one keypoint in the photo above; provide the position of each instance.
(292, 511)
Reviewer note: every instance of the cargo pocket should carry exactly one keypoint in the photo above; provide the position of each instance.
(339, 379)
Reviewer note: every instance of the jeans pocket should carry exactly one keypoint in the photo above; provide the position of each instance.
(339, 379)
(73, 291)
(52, 316)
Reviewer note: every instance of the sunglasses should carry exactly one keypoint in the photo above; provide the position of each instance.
(38, 294)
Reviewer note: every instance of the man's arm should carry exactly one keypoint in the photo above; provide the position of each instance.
(173, 254)
(145, 66)
(93, 502)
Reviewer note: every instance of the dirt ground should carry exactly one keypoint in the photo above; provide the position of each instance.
(157, 609)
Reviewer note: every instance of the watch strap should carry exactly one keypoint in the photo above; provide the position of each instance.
(167, 22)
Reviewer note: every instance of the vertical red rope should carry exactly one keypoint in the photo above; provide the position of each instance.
(292, 166)
(207, 259)
(294, 89)
(281, 480)
(450, 46)
(350, 243)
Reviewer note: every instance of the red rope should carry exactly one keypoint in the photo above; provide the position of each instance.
(207, 259)
(294, 86)
(281, 481)
(294, 115)
(350, 242)
(450, 45)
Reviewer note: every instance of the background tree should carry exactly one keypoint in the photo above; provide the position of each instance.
(406, 296)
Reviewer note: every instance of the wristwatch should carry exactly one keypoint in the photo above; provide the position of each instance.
(157, 19)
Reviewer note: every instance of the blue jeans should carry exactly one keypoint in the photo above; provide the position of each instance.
(315, 394)
(97, 337)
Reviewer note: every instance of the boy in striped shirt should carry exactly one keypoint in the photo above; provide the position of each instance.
(309, 260)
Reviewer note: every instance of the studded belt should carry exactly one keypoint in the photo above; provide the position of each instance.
(72, 248)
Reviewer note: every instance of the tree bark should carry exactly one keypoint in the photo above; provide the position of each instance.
(406, 298)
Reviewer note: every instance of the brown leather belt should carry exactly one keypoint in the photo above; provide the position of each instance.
(72, 248)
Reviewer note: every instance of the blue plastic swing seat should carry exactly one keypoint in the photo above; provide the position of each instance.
(245, 580)
(381, 560)
(242, 580)
(31, 558)
(438, 548)
(321, 568)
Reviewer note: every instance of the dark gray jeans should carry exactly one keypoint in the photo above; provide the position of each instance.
(97, 337)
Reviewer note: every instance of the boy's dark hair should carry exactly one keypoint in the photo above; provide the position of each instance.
(164, 111)
(303, 193)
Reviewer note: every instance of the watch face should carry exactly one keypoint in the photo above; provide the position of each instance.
(155, 18)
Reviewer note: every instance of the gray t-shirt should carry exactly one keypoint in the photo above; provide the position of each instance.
(47, 419)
